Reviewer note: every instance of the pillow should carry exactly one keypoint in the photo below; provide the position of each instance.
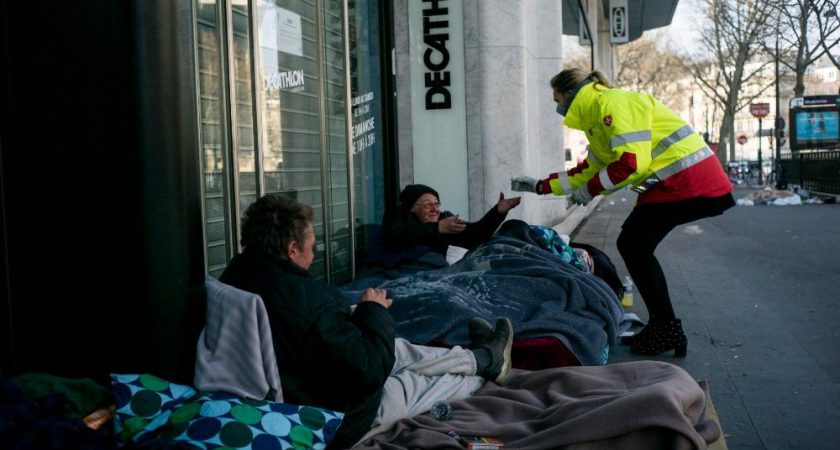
(149, 407)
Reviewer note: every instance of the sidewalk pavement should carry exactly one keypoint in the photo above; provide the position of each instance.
(757, 290)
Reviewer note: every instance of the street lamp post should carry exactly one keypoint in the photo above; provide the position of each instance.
(779, 127)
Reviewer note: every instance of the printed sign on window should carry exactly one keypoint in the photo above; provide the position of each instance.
(289, 32)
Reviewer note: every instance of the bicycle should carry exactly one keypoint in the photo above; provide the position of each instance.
(768, 178)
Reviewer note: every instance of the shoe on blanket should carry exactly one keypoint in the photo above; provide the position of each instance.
(480, 330)
(499, 344)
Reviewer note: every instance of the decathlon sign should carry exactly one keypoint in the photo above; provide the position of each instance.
(619, 26)
(438, 102)
(436, 37)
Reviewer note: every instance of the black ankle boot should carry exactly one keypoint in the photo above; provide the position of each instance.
(630, 340)
(660, 337)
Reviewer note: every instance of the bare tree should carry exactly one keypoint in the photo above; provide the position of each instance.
(828, 24)
(805, 30)
(580, 61)
(733, 41)
(646, 65)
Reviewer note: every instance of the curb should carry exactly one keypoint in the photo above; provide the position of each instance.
(572, 220)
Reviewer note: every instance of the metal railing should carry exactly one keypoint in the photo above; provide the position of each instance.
(816, 171)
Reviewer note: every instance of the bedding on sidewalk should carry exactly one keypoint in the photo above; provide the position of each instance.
(634, 405)
(505, 277)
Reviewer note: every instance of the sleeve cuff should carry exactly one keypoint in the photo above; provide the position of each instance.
(546, 186)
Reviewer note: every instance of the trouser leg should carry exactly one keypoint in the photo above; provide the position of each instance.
(642, 232)
(636, 243)
(432, 361)
(422, 376)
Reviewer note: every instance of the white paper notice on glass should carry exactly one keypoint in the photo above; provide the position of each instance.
(289, 32)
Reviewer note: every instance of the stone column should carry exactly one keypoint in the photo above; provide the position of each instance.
(513, 48)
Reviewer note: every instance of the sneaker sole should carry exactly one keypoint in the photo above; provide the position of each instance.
(503, 374)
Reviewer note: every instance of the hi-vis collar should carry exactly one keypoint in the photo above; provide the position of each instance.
(580, 108)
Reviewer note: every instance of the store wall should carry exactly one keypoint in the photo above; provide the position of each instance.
(511, 51)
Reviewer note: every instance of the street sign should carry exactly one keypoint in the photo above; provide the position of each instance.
(812, 100)
(759, 110)
(742, 139)
(619, 26)
(583, 35)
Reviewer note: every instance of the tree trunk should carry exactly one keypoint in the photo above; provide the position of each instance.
(799, 88)
(727, 126)
(727, 151)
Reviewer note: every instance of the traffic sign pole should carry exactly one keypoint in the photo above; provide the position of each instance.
(759, 110)
(760, 168)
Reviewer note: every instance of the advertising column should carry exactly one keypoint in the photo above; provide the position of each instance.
(438, 107)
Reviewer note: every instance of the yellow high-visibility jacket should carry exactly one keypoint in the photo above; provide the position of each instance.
(636, 140)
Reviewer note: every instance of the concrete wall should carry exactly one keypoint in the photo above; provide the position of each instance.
(512, 49)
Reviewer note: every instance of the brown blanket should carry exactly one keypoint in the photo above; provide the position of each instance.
(634, 405)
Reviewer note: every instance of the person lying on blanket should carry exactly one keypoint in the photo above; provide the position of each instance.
(418, 220)
(350, 361)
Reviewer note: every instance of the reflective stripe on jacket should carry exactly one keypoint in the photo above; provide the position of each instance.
(632, 136)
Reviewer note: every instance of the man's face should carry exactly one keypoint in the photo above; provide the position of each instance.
(427, 208)
(303, 253)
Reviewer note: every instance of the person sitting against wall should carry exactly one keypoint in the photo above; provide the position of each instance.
(350, 361)
(418, 220)
(415, 235)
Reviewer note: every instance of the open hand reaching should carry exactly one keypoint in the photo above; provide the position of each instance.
(451, 225)
(506, 204)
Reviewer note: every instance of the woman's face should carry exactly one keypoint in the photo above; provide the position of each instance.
(561, 98)
(427, 208)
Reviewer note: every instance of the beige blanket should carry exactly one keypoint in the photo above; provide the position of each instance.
(635, 405)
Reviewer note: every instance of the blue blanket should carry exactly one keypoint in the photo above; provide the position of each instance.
(505, 277)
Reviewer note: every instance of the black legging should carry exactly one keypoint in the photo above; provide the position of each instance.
(642, 232)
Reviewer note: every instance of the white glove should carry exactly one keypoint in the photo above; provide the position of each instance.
(524, 184)
(581, 196)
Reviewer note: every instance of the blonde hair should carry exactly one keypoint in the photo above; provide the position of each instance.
(569, 79)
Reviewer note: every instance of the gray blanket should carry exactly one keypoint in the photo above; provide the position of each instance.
(507, 277)
(642, 405)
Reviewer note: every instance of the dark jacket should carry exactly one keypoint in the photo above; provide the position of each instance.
(327, 357)
(401, 230)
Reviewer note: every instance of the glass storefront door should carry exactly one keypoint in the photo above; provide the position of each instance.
(305, 120)
(368, 124)
(274, 119)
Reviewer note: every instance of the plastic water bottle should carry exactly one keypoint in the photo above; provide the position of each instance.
(627, 298)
